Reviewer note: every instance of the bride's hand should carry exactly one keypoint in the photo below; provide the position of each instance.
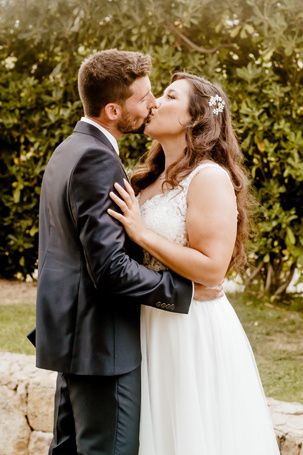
(205, 293)
(129, 206)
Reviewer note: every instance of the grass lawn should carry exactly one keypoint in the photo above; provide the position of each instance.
(16, 320)
(275, 333)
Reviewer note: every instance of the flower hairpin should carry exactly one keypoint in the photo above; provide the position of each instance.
(218, 102)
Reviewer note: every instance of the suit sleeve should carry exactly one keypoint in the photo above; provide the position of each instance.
(103, 239)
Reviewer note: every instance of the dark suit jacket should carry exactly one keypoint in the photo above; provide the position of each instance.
(89, 288)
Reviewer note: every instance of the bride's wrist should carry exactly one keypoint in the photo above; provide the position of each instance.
(144, 238)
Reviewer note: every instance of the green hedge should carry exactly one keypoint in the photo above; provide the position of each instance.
(254, 48)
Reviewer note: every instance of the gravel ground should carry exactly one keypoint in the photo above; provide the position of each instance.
(14, 292)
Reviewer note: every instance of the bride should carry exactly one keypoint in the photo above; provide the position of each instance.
(201, 390)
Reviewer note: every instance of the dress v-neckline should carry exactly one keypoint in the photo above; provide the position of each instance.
(201, 165)
(150, 198)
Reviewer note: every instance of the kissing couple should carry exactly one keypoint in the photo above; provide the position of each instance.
(150, 355)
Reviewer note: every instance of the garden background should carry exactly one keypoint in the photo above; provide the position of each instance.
(253, 48)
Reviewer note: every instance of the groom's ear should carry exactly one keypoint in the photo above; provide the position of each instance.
(112, 111)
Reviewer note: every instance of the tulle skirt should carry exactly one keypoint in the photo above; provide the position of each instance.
(201, 390)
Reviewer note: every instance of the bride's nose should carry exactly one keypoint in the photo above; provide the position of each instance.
(159, 102)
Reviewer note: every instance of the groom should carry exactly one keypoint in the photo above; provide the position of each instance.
(90, 288)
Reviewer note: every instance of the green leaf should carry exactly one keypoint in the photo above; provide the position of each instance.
(290, 236)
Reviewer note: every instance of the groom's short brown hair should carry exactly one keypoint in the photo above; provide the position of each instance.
(105, 77)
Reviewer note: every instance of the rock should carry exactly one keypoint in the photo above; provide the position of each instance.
(26, 404)
(40, 408)
(288, 423)
(14, 429)
(39, 443)
(290, 447)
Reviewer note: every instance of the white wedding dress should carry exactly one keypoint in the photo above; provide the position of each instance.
(201, 390)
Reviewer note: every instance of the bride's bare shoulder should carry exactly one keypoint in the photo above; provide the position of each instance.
(212, 184)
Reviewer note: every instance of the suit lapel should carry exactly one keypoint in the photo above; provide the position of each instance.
(91, 130)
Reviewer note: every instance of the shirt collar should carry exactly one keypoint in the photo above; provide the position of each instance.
(106, 133)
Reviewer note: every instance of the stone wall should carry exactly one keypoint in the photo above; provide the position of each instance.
(26, 406)
(26, 410)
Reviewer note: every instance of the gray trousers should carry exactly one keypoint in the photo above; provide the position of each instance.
(97, 415)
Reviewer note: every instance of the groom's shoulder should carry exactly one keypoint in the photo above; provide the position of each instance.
(84, 140)
(87, 133)
(85, 136)
(84, 153)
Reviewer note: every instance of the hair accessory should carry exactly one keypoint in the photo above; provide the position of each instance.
(218, 102)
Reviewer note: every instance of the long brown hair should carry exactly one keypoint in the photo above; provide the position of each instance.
(208, 137)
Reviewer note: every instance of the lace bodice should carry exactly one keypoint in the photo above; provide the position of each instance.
(165, 214)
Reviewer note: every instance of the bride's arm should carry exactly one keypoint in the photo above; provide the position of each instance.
(211, 227)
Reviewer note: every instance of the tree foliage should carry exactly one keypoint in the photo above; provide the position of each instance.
(254, 48)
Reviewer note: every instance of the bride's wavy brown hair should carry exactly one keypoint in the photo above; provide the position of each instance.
(208, 137)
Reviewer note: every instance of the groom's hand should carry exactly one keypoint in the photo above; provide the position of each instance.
(204, 293)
